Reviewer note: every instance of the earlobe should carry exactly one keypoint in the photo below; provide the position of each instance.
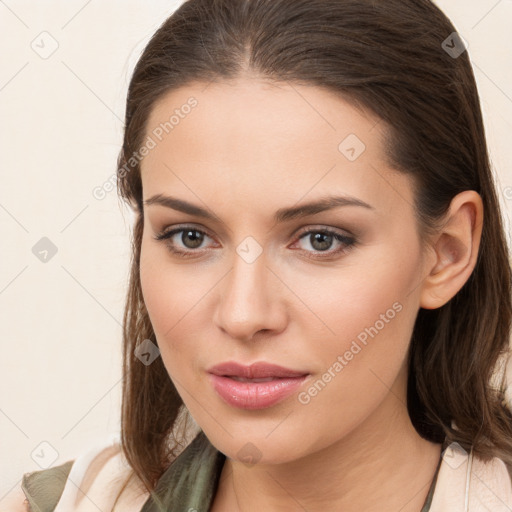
(455, 250)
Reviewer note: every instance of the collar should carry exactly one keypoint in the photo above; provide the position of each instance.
(191, 480)
(462, 483)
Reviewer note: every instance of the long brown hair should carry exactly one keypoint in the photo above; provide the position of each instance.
(394, 59)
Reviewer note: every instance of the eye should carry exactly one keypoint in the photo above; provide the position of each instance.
(321, 240)
(189, 237)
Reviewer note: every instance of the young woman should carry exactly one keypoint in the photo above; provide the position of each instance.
(319, 307)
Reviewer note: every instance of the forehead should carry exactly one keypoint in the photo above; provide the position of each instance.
(251, 113)
(267, 143)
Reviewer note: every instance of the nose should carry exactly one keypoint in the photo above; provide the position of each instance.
(250, 300)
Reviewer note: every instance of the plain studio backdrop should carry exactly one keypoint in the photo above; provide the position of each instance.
(65, 250)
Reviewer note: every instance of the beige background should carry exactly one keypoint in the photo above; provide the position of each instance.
(61, 131)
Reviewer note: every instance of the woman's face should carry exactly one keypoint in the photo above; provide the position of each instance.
(330, 292)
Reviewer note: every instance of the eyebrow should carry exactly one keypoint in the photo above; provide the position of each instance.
(281, 215)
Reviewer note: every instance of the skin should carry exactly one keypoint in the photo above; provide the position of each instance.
(246, 150)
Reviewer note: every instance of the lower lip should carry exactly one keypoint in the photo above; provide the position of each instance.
(255, 395)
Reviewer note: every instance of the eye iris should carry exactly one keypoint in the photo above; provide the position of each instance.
(321, 237)
(195, 236)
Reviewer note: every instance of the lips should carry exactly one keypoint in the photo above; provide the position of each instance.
(254, 371)
(257, 386)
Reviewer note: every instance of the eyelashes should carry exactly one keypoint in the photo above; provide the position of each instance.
(327, 237)
(322, 238)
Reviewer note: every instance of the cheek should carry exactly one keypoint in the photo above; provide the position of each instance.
(173, 296)
(370, 315)
(367, 314)
(354, 295)
(164, 292)
(374, 300)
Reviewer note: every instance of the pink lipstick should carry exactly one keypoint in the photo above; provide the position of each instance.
(257, 386)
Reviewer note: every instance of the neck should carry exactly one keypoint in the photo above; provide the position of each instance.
(382, 465)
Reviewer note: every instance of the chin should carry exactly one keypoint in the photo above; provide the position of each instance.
(256, 447)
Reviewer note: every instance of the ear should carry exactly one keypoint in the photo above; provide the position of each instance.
(454, 250)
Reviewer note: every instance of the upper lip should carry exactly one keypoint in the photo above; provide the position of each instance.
(259, 370)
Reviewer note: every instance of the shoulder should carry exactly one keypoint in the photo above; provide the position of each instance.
(100, 475)
(46, 485)
(107, 480)
(467, 479)
(492, 484)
